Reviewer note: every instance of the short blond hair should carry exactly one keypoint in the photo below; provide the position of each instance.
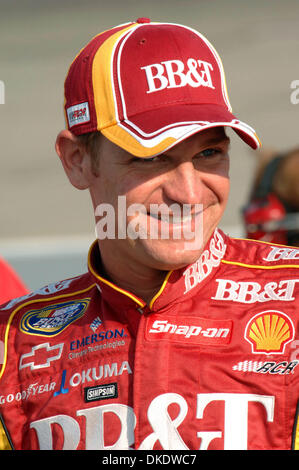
(91, 142)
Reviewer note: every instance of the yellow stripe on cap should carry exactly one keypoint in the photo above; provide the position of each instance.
(75, 58)
(106, 107)
(104, 101)
(119, 136)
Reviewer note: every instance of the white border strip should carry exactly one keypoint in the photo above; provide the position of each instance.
(181, 132)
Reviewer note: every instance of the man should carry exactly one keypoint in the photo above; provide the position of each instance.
(178, 337)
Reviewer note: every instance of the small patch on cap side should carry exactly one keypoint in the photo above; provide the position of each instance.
(78, 114)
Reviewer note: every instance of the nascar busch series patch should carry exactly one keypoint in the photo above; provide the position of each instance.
(53, 319)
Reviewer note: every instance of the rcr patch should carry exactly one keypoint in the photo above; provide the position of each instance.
(270, 368)
(53, 319)
(100, 392)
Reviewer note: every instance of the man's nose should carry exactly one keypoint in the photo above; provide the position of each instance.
(184, 184)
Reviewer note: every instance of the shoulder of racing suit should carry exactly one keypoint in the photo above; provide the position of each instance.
(68, 296)
(260, 254)
(254, 271)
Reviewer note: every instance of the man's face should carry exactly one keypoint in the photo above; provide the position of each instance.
(192, 176)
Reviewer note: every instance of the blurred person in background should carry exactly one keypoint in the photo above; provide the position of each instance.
(272, 212)
(11, 285)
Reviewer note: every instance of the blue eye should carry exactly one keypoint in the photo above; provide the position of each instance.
(208, 153)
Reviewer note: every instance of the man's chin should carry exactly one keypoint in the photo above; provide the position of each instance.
(169, 255)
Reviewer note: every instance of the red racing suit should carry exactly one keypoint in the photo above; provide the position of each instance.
(210, 363)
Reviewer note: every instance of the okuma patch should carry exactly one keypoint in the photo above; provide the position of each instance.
(53, 319)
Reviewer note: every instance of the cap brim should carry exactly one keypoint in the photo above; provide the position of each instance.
(153, 132)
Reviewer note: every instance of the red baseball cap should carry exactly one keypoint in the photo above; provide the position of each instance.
(147, 86)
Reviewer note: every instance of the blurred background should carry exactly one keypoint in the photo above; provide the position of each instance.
(46, 224)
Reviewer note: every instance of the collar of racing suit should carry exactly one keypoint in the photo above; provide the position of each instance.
(179, 283)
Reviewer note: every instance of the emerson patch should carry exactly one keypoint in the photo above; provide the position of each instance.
(53, 319)
(100, 392)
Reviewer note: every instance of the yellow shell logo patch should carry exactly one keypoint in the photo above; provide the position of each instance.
(268, 332)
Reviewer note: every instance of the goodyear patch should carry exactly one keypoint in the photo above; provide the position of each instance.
(53, 319)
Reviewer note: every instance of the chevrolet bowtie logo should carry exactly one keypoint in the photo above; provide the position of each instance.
(41, 356)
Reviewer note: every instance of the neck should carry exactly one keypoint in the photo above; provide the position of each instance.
(140, 280)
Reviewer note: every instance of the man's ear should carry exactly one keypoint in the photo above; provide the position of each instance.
(74, 159)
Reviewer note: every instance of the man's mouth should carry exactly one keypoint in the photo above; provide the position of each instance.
(175, 219)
